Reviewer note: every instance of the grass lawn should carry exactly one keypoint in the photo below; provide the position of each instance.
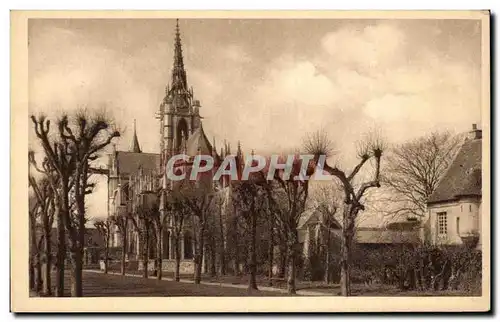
(327, 289)
(101, 285)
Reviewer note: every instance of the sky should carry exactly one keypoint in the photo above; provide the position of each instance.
(266, 83)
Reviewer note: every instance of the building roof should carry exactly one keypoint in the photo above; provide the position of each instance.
(129, 162)
(386, 236)
(312, 216)
(463, 177)
(198, 143)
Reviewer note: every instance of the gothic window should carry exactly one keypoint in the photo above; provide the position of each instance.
(181, 134)
(458, 225)
(442, 223)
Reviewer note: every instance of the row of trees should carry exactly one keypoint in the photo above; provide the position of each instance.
(261, 207)
(60, 184)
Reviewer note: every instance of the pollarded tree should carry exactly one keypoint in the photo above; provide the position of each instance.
(35, 272)
(371, 148)
(59, 159)
(141, 219)
(327, 200)
(287, 197)
(81, 138)
(46, 208)
(159, 222)
(104, 229)
(199, 199)
(87, 135)
(248, 200)
(179, 214)
(121, 222)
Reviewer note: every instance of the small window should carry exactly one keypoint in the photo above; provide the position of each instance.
(442, 223)
(461, 208)
(458, 225)
(470, 208)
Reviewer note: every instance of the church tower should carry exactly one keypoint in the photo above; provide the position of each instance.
(179, 112)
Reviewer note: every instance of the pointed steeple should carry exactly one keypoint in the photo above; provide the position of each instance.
(179, 79)
(135, 142)
(238, 152)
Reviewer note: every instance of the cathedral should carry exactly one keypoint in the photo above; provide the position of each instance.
(135, 174)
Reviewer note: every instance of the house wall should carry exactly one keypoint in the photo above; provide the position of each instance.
(467, 211)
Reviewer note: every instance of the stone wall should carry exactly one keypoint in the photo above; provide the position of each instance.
(168, 265)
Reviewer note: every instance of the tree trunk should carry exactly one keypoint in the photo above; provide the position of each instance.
(222, 246)
(236, 247)
(213, 257)
(198, 258)
(345, 269)
(327, 259)
(76, 272)
(145, 254)
(271, 255)
(33, 253)
(38, 273)
(124, 251)
(292, 262)
(177, 273)
(47, 282)
(106, 255)
(283, 256)
(205, 259)
(159, 254)
(61, 255)
(252, 282)
(32, 274)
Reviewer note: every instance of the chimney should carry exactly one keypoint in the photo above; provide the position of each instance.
(475, 134)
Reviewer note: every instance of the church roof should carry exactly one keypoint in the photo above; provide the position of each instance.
(129, 162)
(463, 177)
(313, 216)
(198, 143)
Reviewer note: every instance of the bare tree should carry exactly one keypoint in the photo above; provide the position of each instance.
(121, 223)
(104, 229)
(141, 220)
(287, 199)
(248, 199)
(80, 139)
(58, 158)
(159, 220)
(327, 199)
(46, 208)
(414, 170)
(371, 148)
(35, 274)
(179, 214)
(199, 198)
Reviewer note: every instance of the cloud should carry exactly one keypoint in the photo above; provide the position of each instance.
(374, 46)
(235, 54)
(400, 77)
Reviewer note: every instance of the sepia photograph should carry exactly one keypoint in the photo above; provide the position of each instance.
(204, 157)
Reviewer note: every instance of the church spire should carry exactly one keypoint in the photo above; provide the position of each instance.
(135, 142)
(179, 79)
